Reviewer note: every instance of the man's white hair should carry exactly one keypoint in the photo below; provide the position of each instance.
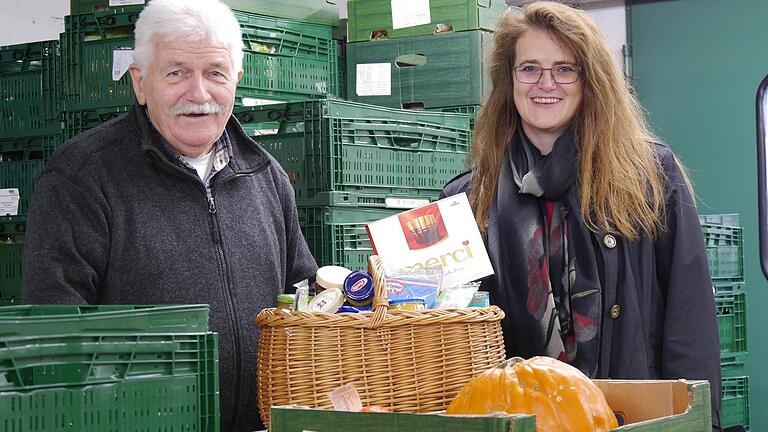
(188, 21)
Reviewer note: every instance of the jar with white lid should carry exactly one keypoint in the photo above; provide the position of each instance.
(328, 277)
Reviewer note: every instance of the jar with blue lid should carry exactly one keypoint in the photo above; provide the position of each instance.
(358, 288)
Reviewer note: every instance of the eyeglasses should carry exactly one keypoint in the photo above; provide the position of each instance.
(531, 74)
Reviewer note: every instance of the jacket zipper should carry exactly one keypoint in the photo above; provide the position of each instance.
(229, 301)
(208, 192)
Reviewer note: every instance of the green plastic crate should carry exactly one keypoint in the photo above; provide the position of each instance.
(454, 72)
(732, 321)
(284, 78)
(732, 220)
(87, 46)
(334, 145)
(342, 68)
(76, 122)
(313, 11)
(734, 409)
(22, 175)
(29, 89)
(77, 7)
(471, 110)
(375, 19)
(10, 274)
(283, 59)
(13, 224)
(733, 364)
(89, 382)
(9, 301)
(337, 235)
(33, 147)
(37, 320)
(271, 35)
(725, 251)
(363, 199)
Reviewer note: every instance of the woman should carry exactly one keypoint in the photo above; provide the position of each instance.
(591, 225)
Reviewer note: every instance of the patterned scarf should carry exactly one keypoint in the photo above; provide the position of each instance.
(545, 262)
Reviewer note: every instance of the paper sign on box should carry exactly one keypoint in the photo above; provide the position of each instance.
(443, 233)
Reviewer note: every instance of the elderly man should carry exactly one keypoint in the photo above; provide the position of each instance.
(172, 202)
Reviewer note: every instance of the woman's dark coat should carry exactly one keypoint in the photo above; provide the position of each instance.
(659, 319)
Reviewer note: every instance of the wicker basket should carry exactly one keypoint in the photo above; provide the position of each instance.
(407, 361)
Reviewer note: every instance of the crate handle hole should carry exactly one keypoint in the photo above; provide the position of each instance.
(413, 105)
(443, 28)
(411, 60)
(379, 34)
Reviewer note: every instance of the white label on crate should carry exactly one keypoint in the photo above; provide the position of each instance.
(9, 202)
(405, 203)
(345, 398)
(249, 102)
(374, 79)
(125, 2)
(259, 132)
(121, 59)
(410, 13)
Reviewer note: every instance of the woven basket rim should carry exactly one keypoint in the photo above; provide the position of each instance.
(276, 317)
(381, 316)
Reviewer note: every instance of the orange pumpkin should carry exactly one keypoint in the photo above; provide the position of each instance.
(562, 398)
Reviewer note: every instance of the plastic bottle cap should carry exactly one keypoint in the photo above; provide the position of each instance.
(332, 276)
(328, 301)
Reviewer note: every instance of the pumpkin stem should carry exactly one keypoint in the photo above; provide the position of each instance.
(510, 362)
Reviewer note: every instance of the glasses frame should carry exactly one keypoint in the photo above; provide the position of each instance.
(577, 69)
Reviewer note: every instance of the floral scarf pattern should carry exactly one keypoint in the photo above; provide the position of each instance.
(544, 257)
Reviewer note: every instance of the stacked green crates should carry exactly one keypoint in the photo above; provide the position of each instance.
(18, 175)
(10, 273)
(352, 163)
(333, 145)
(283, 60)
(723, 238)
(29, 99)
(431, 58)
(96, 368)
(89, 44)
(336, 235)
(30, 130)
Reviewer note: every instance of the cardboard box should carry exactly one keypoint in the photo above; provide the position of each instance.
(645, 406)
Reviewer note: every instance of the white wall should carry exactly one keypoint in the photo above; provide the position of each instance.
(23, 21)
(611, 17)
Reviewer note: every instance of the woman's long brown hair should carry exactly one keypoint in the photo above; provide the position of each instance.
(620, 181)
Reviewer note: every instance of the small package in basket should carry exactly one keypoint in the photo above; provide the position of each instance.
(441, 234)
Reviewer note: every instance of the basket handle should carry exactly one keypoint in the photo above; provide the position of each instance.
(380, 301)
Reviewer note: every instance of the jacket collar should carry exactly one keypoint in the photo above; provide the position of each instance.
(248, 156)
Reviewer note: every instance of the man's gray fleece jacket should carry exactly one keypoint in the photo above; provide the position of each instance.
(114, 221)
